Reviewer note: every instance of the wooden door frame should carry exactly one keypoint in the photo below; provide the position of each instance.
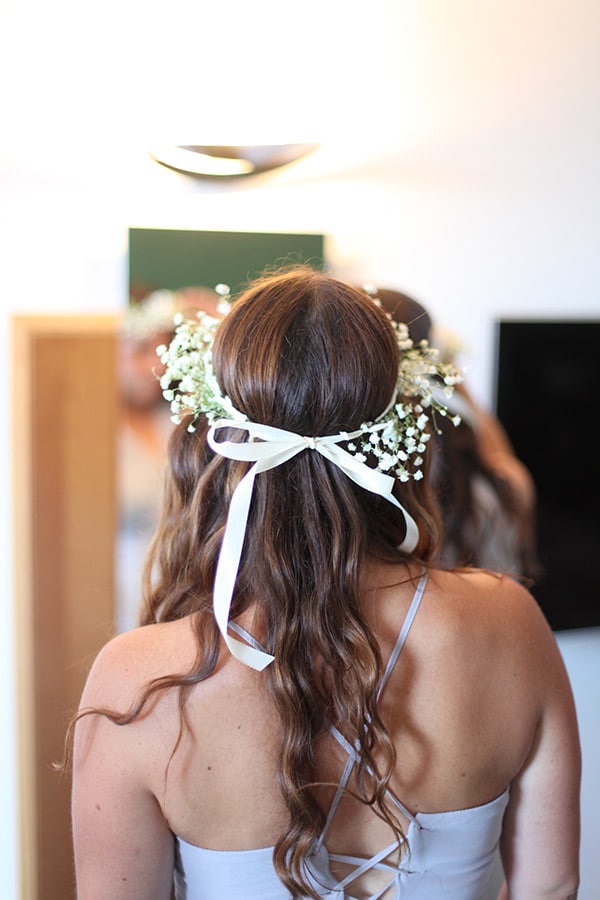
(64, 400)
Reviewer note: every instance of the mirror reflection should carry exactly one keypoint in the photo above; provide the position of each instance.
(143, 432)
(170, 273)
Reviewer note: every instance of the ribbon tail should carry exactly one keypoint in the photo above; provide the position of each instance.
(232, 545)
(411, 538)
(227, 569)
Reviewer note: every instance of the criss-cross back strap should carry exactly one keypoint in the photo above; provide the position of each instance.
(353, 755)
(353, 752)
(364, 865)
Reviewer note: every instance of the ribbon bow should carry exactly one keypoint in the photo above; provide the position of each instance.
(274, 447)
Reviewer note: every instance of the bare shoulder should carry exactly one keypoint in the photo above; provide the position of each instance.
(489, 597)
(494, 617)
(129, 661)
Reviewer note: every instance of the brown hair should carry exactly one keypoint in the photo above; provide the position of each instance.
(302, 351)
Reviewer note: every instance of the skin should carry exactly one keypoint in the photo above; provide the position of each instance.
(479, 700)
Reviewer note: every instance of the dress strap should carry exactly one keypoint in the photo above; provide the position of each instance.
(241, 632)
(339, 791)
(353, 758)
(401, 639)
(365, 865)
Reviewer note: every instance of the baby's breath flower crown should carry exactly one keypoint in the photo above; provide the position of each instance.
(398, 437)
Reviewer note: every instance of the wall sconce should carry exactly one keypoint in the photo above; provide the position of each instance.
(214, 161)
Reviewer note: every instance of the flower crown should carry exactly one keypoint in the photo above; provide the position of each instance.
(397, 438)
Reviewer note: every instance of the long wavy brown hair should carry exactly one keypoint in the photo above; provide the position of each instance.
(457, 464)
(305, 352)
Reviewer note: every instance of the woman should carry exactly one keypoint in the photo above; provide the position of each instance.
(487, 495)
(310, 708)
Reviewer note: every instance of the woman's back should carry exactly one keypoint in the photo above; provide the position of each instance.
(463, 705)
(246, 741)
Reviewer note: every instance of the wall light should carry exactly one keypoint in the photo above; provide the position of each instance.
(214, 161)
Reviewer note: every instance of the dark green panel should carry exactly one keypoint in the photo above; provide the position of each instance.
(167, 258)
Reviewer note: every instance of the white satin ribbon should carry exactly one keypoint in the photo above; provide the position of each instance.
(274, 447)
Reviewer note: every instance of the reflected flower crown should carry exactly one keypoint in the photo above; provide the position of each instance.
(397, 438)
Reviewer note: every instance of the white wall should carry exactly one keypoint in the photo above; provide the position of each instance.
(460, 162)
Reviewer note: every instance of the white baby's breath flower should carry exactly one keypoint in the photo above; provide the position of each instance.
(386, 461)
